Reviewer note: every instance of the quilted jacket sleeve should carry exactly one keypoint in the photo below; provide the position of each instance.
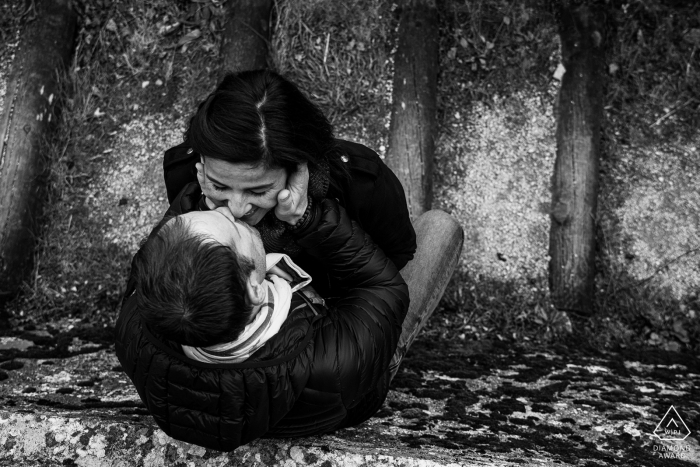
(375, 198)
(363, 327)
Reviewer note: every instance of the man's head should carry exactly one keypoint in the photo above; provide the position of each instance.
(199, 278)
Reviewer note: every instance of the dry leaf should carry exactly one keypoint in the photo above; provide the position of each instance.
(111, 25)
(168, 29)
(693, 36)
(189, 37)
(559, 72)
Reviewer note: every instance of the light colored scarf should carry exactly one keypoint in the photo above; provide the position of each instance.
(272, 314)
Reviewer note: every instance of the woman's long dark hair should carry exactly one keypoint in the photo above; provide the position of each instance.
(259, 117)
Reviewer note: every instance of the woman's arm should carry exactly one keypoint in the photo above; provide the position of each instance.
(375, 198)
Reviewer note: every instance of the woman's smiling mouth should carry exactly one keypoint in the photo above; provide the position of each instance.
(250, 213)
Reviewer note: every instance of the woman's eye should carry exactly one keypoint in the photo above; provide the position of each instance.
(259, 193)
(219, 188)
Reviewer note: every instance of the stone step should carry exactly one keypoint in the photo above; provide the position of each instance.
(65, 401)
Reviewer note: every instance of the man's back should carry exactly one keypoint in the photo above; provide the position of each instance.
(327, 368)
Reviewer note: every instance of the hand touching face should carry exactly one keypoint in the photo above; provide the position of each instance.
(293, 200)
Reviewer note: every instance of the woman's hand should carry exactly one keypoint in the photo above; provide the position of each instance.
(292, 201)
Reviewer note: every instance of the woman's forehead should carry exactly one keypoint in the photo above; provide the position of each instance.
(224, 171)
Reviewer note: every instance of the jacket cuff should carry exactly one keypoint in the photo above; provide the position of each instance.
(309, 220)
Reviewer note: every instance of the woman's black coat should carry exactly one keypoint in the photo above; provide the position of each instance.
(373, 197)
(327, 367)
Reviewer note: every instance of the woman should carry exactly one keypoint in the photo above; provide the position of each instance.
(257, 140)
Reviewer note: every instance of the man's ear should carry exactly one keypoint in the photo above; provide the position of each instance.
(254, 290)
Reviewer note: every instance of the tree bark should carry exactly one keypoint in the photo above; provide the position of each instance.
(29, 113)
(412, 131)
(575, 181)
(247, 35)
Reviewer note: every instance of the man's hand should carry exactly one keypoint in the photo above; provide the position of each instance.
(292, 201)
(278, 271)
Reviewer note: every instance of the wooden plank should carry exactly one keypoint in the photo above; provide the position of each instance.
(575, 181)
(412, 130)
(29, 113)
(247, 34)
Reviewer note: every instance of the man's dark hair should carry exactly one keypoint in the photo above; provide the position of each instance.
(259, 117)
(189, 288)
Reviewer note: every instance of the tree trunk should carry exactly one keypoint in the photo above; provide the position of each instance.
(246, 35)
(575, 181)
(412, 132)
(29, 113)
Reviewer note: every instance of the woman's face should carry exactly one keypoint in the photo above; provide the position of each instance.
(248, 191)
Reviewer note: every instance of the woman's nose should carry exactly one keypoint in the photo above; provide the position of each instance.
(238, 205)
(225, 211)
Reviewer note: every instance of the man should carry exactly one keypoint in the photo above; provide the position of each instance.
(322, 368)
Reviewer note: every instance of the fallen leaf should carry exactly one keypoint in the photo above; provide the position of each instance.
(205, 14)
(693, 36)
(680, 332)
(168, 29)
(672, 346)
(111, 25)
(189, 37)
(559, 72)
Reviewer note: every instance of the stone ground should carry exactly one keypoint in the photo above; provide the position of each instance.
(66, 401)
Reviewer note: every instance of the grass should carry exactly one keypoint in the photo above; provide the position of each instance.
(78, 273)
(652, 99)
(340, 54)
(342, 59)
(497, 48)
(654, 55)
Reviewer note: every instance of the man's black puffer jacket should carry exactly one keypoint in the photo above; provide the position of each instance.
(325, 369)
